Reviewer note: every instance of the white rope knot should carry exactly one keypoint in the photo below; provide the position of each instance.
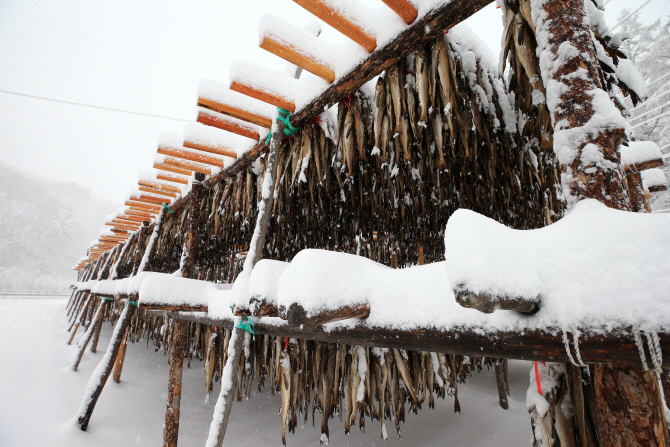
(578, 354)
(654, 346)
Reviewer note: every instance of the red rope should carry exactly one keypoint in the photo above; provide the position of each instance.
(537, 379)
(285, 342)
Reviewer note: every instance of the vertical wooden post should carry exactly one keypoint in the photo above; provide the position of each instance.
(502, 382)
(120, 357)
(171, 431)
(636, 191)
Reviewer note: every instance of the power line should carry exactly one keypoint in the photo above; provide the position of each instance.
(110, 109)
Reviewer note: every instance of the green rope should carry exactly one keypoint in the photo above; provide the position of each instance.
(167, 207)
(247, 325)
(133, 302)
(284, 117)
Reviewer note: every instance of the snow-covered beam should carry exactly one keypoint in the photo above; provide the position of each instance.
(187, 166)
(333, 17)
(170, 178)
(404, 9)
(159, 191)
(190, 156)
(160, 186)
(220, 121)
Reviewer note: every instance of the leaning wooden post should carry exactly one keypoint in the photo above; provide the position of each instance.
(171, 431)
(98, 325)
(224, 403)
(501, 381)
(101, 373)
(628, 408)
(97, 319)
(120, 357)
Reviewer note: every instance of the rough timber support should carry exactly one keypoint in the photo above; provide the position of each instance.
(171, 431)
(101, 373)
(218, 430)
(626, 402)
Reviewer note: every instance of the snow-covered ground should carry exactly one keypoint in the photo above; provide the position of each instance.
(39, 394)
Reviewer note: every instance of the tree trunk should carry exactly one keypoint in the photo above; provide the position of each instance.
(171, 431)
(627, 408)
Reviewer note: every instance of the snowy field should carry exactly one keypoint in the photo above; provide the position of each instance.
(39, 394)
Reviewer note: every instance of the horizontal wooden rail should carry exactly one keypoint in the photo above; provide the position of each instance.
(176, 170)
(333, 18)
(404, 9)
(204, 147)
(529, 345)
(147, 216)
(151, 200)
(639, 167)
(160, 186)
(262, 95)
(190, 156)
(282, 49)
(235, 112)
(220, 121)
(158, 191)
(187, 165)
(143, 205)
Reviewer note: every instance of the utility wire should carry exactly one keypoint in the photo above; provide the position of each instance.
(94, 107)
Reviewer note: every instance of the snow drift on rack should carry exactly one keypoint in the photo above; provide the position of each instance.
(653, 177)
(173, 290)
(597, 267)
(639, 152)
(264, 279)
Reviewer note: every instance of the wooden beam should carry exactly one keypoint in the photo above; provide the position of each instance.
(333, 18)
(220, 121)
(541, 345)
(114, 230)
(187, 165)
(137, 208)
(173, 308)
(298, 57)
(152, 200)
(143, 205)
(162, 186)
(262, 95)
(204, 147)
(404, 9)
(191, 156)
(133, 218)
(235, 112)
(487, 303)
(423, 31)
(170, 178)
(148, 216)
(639, 167)
(158, 191)
(121, 227)
(172, 411)
(297, 317)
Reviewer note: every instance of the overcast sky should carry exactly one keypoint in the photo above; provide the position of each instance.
(140, 55)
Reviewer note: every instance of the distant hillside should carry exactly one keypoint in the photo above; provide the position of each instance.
(45, 227)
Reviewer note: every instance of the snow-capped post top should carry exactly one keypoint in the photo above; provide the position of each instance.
(640, 155)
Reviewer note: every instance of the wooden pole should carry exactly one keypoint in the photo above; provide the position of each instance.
(88, 334)
(121, 356)
(101, 373)
(502, 382)
(98, 326)
(171, 430)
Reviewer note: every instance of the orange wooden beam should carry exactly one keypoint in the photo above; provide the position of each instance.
(176, 170)
(235, 112)
(121, 221)
(142, 209)
(261, 95)
(146, 206)
(143, 214)
(188, 165)
(161, 192)
(161, 186)
(133, 218)
(151, 200)
(220, 122)
(404, 9)
(210, 148)
(190, 156)
(172, 178)
(333, 18)
(120, 224)
(280, 48)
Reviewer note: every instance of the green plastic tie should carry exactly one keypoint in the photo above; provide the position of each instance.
(247, 325)
(133, 302)
(167, 207)
(284, 117)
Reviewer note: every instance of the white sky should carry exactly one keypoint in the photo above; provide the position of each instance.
(145, 56)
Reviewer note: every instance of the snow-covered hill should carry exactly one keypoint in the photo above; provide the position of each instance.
(45, 226)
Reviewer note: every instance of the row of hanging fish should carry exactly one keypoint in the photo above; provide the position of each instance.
(356, 383)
